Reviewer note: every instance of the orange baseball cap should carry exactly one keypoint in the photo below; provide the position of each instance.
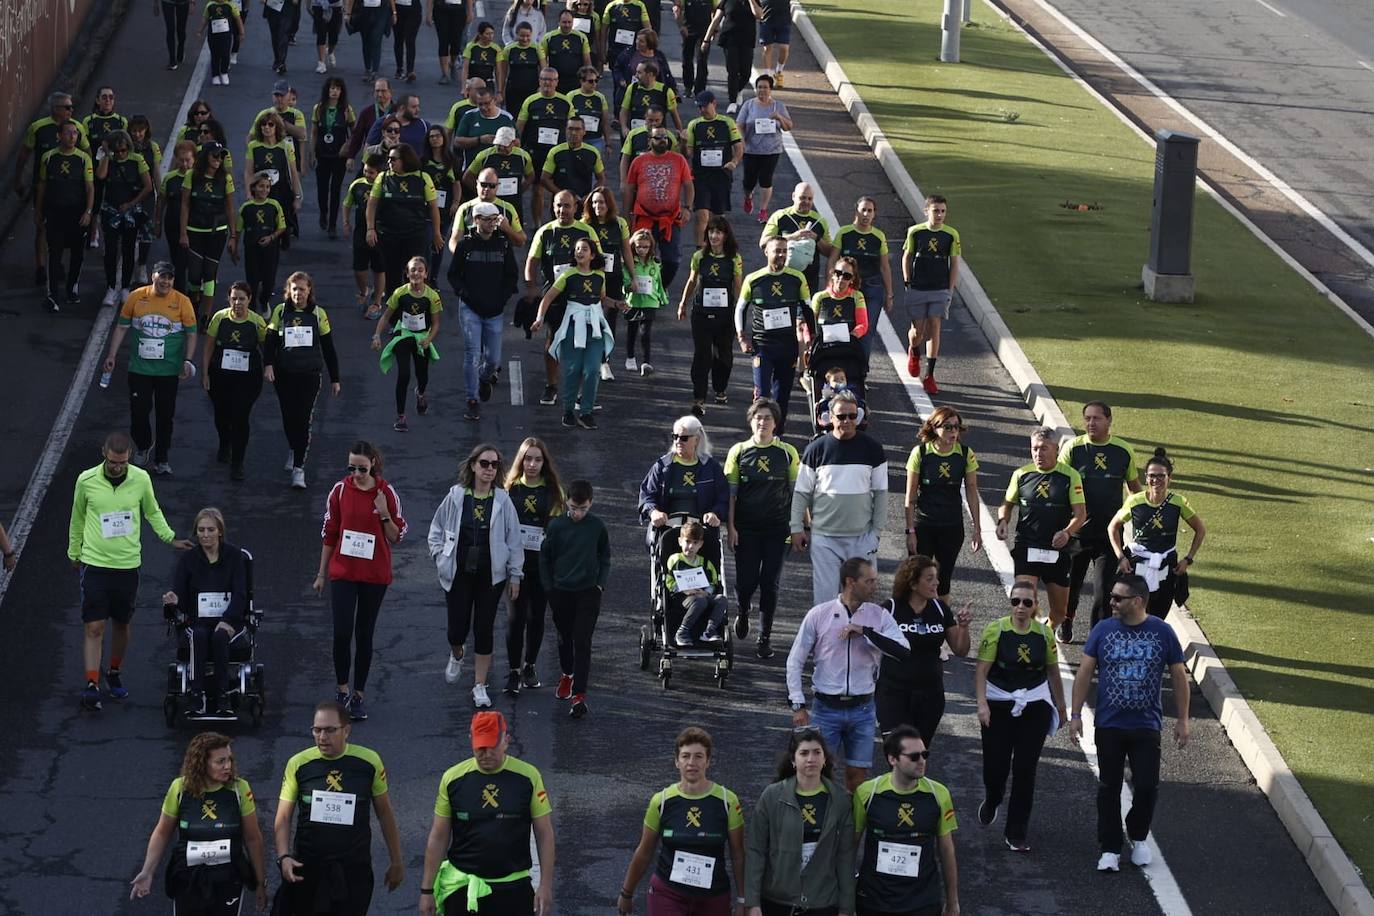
(488, 728)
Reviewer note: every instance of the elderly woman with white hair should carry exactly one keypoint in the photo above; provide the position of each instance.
(685, 481)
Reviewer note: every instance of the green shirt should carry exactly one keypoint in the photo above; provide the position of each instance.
(1105, 469)
(640, 98)
(405, 310)
(335, 825)
(257, 220)
(913, 821)
(553, 245)
(712, 139)
(43, 134)
(546, 121)
(1045, 500)
(207, 201)
(482, 60)
(104, 529)
(575, 170)
(761, 478)
(403, 200)
(698, 825)
(867, 248)
(940, 475)
(1156, 527)
(932, 252)
(591, 107)
(768, 295)
(576, 554)
(1019, 660)
(215, 815)
(491, 815)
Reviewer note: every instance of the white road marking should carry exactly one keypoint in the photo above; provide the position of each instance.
(92, 355)
(1366, 65)
(1161, 880)
(1273, 9)
(517, 382)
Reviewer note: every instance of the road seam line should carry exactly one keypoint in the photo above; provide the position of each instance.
(1273, 9)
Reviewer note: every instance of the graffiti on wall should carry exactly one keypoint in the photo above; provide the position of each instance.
(35, 38)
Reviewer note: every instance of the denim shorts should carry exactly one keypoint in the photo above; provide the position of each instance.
(848, 731)
(779, 34)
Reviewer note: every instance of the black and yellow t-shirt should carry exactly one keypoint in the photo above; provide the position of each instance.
(813, 804)
(208, 193)
(355, 198)
(940, 475)
(640, 98)
(259, 220)
(332, 795)
(901, 838)
(868, 248)
(694, 834)
(64, 177)
(43, 135)
(482, 60)
(582, 288)
(403, 200)
(1045, 500)
(762, 477)
(830, 309)
(491, 815)
(777, 301)
(513, 169)
(565, 52)
(124, 179)
(299, 333)
(1156, 527)
(275, 159)
(546, 122)
(711, 140)
(1105, 469)
(932, 252)
(411, 311)
(553, 245)
(238, 344)
(475, 530)
(575, 170)
(716, 275)
(681, 562)
(681, 488)
(442, 176)
(522, 68)
(219, 16)
(591, 107)
(611, 236)
(204, 821)
(636, 143)
(624, 16)
(1019, 660)
(99, 126)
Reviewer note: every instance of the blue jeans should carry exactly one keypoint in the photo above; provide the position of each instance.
(875, 297)
(848, 731)
(581, 373)
(481, 347)
(775, 370)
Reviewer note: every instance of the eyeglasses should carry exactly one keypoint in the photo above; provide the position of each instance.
(1156, 476)
(1022, 602)
(487, 184)
(1114, 597)
(358, 469)
(949, 425)
(843, 274)
(916, 755)
(488, 464)
(683, 437)
(318, 730)
(842, 417)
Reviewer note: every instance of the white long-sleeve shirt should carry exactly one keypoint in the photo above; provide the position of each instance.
(844, 667)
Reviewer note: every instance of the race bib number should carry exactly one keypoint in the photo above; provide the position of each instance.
(583, 25)
(405, 2)
(273, 175)
(608, 263)
(692, 870)
(898, 859)
(412, 322)
(776, 319)
(150, 348)
(717, 298)
(299, 336)
(712, 158)
(835, 333)
(275, 5)
(690, 578)
(441, 198)
(234, 361)
(357, 544)
(765, 126)
(211, 852)
(333, 807)
(636, 123)
(211, 604)
(1038, 555)
(548, 136)
(644, 284)
(372, 4)
(560, 269)
(592, 123)
(532, 537)
(507, 187)
(808, 850)
(218, 27)
(624, 37)
(116, 524)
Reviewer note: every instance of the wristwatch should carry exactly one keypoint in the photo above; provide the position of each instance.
(798, 707)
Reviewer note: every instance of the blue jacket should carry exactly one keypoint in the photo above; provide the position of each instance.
(713, 493)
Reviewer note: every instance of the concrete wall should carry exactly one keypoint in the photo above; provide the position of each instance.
(35, 38)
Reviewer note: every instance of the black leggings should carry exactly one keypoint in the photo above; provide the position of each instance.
(296, 393)
(65, 235)
(942, 542)
(525, 616)
(639, 323)
(758, 170)
(449, 24)
(713, 352)
(260, 268)
(471, 604)
(396, 251)
(233, 395)
(403, 33)
(1094, 562)
(145, 391)
(758, 564)
(202, 261)
(900, 705)
(209, 641)
(739, 58)
(330, 172)
(695, 66)
(1012, 744)
(119, 247)
(406, 351)
(574, 616)
(174, 23)
(221, 46)
(356, 606)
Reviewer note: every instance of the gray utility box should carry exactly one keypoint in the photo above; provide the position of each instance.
(1167, 274)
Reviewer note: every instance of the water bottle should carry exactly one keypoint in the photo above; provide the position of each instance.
(105, 379)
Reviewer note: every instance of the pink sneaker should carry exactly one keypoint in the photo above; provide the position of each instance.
(749, 203)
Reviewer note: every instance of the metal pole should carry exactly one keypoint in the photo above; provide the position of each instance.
(968, 10)
(949, 31)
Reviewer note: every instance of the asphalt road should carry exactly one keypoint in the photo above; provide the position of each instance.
(1291, 82)
(80, 791)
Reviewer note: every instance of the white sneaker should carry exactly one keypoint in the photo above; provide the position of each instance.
(332, 61)
(214, 81)
(290, 461)
(321, 68)
(1140, 854)
(453, 670)
(224, 80)
(630, 364)
(606, 373)
(111, 296)
(298, 478)
(1110, 861)
(646, 369)
(141, 277)
(479, 696)
(234, 58)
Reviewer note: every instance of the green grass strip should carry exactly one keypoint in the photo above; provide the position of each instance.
(1262, 391)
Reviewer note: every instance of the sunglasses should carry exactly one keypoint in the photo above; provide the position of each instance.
(846, 416)
(1114, 597)
(1022, 602)
(683, 437)
(358, 469)
(199, 114)
(844, 274)
(487, 184)
(488, 464)
(392, 130)
(916, 755)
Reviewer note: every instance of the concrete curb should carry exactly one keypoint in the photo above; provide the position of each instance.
(1338, 876)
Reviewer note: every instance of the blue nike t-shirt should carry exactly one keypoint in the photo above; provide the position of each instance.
(1131, 661)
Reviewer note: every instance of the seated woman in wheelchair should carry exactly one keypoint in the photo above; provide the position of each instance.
(695, 580)
(210, 590)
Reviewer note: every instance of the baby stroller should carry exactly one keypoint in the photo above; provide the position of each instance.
(668, 609)
(244, 686)
(822, 358)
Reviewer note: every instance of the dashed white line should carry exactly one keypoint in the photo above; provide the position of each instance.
(1366, 65)
(516, 378)
(1273, 9)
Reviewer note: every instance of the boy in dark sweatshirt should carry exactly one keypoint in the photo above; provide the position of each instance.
(575, 565)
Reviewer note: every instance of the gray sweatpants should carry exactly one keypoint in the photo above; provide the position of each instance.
(828, 553)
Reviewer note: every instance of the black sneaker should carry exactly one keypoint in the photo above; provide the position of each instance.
(569, 419)
(764, 649)
(114, 683)
(199, 706)
(1065, 631)
(357, 709)
(579, 706)
(722, 397)
(484, 389)
(222, 456)
(236, 472)
(513, 682)
(587, 421)
(742, 624)
(224, 709)
(550, 396)
(529, 679)
(1017, 845)
(474, 411)
(90, 697)
(73, 296)
(987, 813)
